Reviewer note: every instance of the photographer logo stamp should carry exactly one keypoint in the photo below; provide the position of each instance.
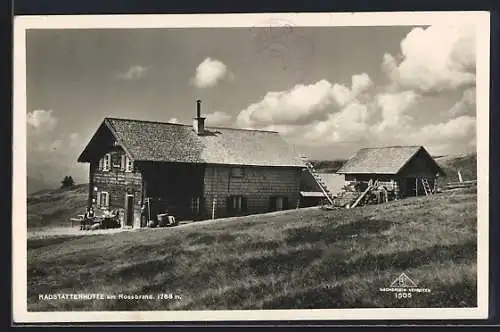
(403, 287)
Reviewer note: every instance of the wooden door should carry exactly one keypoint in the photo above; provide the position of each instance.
(129, 210)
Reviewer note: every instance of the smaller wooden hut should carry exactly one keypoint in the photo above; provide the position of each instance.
(405, 170)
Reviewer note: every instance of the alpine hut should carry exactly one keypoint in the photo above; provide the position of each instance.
(406, 170)
(191, 171)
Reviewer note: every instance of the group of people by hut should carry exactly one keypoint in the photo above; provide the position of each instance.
(109, 219)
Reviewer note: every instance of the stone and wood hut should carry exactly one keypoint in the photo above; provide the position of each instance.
(403, 169)
(194, 172)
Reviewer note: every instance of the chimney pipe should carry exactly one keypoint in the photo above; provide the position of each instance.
(199, 122)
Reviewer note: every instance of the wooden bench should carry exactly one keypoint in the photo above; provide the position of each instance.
(79, 219)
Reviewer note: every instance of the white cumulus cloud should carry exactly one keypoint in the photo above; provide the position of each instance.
(360, 83)
(350, 124)
(41, 120)
(393, 107)
(218, 118)
(209, 72)
(436, 58)
(466, 105)
(457, 129)
(302, 104)
(133, 73)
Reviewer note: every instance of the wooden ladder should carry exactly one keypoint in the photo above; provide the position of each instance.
(318, 179)
(427, 187)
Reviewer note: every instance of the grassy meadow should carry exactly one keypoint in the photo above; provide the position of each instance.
(54, 208)
(306, 258)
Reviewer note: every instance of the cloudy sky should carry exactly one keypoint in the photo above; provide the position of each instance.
(327, 90)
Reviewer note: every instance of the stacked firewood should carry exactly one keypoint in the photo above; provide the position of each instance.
(350, 193)
(347, 195)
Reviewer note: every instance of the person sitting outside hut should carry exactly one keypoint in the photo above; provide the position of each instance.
(110, 219)
(87, 218)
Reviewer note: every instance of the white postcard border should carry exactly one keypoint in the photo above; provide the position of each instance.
(19, 205)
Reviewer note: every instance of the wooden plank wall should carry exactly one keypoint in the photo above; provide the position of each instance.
(258, 184)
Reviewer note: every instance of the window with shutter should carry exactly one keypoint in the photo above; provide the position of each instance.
(129, 164)
(278, 203)
(123, 162)
(103, 199)
(195, 205)
(106, 162)
(236, 204)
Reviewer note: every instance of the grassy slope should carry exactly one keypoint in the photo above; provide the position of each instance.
(328, 166)
(48, 208)
(466, 164)
(308, 258)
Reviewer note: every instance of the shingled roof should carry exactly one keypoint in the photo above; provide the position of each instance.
(168, 142)
(383, 160)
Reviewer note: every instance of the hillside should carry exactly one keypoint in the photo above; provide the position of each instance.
(328, 166)
(48, 208)
(467, 164)
(306, 258)
(33, 185)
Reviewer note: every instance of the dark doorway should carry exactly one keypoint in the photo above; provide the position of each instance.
(129, 210)
(414, 187)
(179, 186)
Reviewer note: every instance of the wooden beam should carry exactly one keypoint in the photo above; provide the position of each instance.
(361, 196)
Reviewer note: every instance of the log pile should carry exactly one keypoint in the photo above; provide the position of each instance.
(463, 184)
(348, 195)
(378, 193)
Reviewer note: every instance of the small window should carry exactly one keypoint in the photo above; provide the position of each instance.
(129, 164)
(237, 172)
(278, 203)
(103, 199)
(123, 162)
(236, 204)
(105, 162)
(195, 205)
